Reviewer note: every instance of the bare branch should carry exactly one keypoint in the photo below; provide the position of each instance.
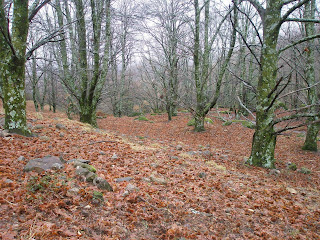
(36, 8)
(299, 41)
(242, 105)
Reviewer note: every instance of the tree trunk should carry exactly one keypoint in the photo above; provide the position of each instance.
(13, 75)
(313, 129)
(264, 140)
(12, 67)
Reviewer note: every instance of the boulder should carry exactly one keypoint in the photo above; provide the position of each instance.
(60, 126)
(80, 171)
(124, 179)
(90, 176)
(102, 184)
(42, 164)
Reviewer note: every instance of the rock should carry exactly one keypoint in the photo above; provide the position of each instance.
(274, 172)
(98, 195)
(72, 191)
(8, 181)
(179, 147)
(291, 166)
(206, 153)
(202, 175)
(87, 207)
(102, 153)
(60, 126)
(42, 164)
(2, 121)
(21, 158)
(146, 179)
(304, 170)
(29, 125)
(90, 176)
(80, 171)
(130, 188)
(114, 157)
(61, 135)
(39, 126)
(124, 179)
(45, 138)
(291, 190)
(174, 158)
(102, 184)
(4, 133)
(158, 180)
(154, 165)
(89, 167)
(78, 161)
(85, 213)
(57, 166)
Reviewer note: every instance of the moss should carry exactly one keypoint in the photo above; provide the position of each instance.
(292, 166)
(248, 124)
(89, 167)
(192, 122)
(304, 170)
(142, 118)
(134, 114)
(227, 123)
(208, 120)
(225, 112)
(98, 195)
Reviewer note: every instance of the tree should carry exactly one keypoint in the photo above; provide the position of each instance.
(86, 86)
(202, 64)
(268, 90)
(313, 128)
(13, 43)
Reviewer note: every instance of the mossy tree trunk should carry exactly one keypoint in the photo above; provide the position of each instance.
(12, 66)
(313, 128)
(264, 139)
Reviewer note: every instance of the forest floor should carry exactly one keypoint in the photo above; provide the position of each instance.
(178, 184)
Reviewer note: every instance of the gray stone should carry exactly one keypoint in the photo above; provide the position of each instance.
(124, 179)
(21, 158)
(91, 176)
(4, 133)
(61, 135)
(60, 126)
(8, 181)
(174, 158)
(274, 172)
(102, 153)
(42, 164)
(202, 175)
(206, 153)
(158, 180)
(179, 147)
(78, 161)
(80, 171)
(130, 188)
(73, 191)
(39, 126)
(2, 120)
(114, 156)
(29, 125)
(102, 184)
(57, 166)
(154, 165)
(45, 138)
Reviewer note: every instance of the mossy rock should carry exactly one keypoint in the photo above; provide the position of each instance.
(142, 118)
(227, 123)
(184, 111)
(292, 166)
(89, 167)
(304, 170)
(98, 195)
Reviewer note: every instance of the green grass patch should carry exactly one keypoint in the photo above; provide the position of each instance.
(142, 118)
